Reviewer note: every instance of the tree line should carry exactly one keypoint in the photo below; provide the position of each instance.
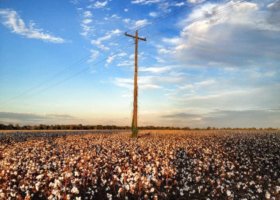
(108, 127)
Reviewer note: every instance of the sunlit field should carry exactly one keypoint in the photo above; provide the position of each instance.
(215, 164)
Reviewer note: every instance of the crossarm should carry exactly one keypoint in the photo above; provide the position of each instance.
(144, 39)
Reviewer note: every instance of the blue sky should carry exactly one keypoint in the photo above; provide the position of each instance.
(205, 63)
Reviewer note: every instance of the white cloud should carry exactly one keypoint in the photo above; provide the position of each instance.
(87, 21)
(195, 1)
(86, 27)
(155, 81)
(259, 118)
(156, 70)
(99, 41)
(153, 14)
(113, 57)
(162, 5)
(87, 14)
(230, 98)
(12, 20)
(126, 63)
(144, 82)
(173, 41)
(100, 4)
(110, 59)
(227, 34)
(32, 118)
(141, 23)
(116, 32)
(145, 2)
(125, 10)
(94, 54)
(180, 4)
(161, 50)
(74, 2)
(115, 16)
(126, 20)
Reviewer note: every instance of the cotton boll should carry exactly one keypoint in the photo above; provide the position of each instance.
(75, 190)
(39, 177)
(277, 189)
(228, 193)
(37, 186)
(267, 195)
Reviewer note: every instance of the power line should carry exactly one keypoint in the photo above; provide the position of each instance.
(70, 66)
(76, 73)
(49, 79)
(100, 61)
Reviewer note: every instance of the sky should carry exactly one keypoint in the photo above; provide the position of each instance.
(205, 63)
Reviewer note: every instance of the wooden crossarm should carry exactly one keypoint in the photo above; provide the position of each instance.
(132, 36)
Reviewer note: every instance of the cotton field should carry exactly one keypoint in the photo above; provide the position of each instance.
(212, 164)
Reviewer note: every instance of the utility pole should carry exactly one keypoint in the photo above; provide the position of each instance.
(134, 125)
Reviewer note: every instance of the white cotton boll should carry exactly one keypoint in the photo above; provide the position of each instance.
(157, 163)
(155, 197)
(2, 195)
(78, 198)
(13, 194)
(39, 177)
(200, 188)
(57, 183)
(277, 189)
(267, 195)
(118, 169)
(228, 193)
(104, 181)
(152, 190)
(186, 188)
(75, 190)
(56, 193)
(136, 177)
(134, 157)
(37, 186)
(239, 184)
(21, 187)
(120, 191)
(259, 190)
(126, 187)
(68, 174)
(76, 173)
(181, 192)
(109, 196)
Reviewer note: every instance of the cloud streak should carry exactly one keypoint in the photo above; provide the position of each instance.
(12, 20)
(30, 118)
(99, 41)
(229, 118)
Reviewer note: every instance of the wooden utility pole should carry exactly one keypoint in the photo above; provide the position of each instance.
(134, 126)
